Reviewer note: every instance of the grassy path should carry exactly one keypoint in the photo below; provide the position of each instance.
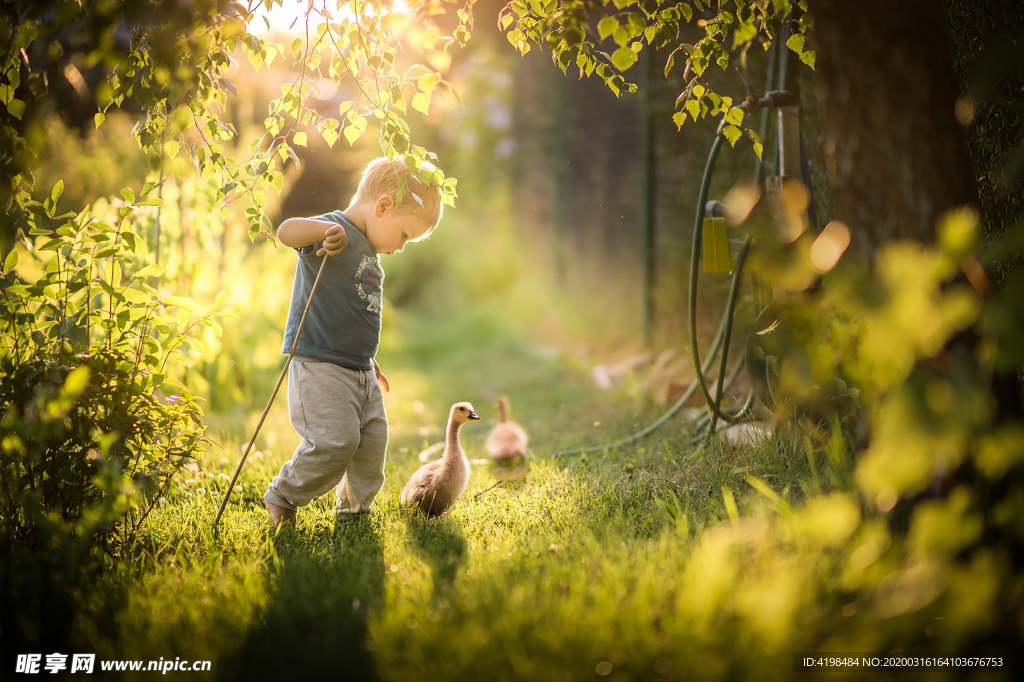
(573, 574)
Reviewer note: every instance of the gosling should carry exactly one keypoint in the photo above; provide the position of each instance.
(437, 484)
(506, 446)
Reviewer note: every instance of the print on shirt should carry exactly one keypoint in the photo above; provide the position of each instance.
(368, 278)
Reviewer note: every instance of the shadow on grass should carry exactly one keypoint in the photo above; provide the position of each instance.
(316, 624)
(43, 593)
(440, 543)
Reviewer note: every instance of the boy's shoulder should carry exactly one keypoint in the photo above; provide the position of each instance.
(337, 216)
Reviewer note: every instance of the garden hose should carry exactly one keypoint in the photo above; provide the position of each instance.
(678, 405)
(771, 99)
(695, 253)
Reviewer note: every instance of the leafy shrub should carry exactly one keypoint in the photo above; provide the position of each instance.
(925, 554)
(93, 426)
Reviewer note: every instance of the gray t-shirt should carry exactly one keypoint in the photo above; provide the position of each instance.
(343, 325)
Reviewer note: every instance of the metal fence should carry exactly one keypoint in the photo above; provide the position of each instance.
(582, 167)
(987, 41)
(584, 157)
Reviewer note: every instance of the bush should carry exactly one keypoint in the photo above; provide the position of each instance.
(93, 426)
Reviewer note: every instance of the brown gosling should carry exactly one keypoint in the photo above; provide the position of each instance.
(506, 446)
(439, 483)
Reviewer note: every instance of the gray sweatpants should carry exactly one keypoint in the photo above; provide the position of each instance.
(339, 414)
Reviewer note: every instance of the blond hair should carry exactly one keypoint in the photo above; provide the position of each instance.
(380, 178)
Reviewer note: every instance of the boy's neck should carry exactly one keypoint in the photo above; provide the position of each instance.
(357, 212)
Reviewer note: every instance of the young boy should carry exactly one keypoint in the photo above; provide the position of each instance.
(334, 398)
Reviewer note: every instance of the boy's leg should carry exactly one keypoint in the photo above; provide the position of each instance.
(365, 474)
(325, 405)
(279, 515)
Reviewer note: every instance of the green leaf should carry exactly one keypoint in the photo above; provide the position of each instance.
(732, 133)
(693, 106)
(796, 43)
(128, 194)
(76, 381)
(428, 82)
(99, 118)
(287, 152)
(10, 262)
(152, 270)
(808, 58)
(623, 58)
(679, 118)
(607, 26)
(16, 108)
(299, 139)
(735, 116)
(756, 139)
(182, 302)
(621, 36)
(744, 33)
(135, 296)
(421, 102)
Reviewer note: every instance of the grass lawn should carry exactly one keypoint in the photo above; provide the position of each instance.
(574, 573)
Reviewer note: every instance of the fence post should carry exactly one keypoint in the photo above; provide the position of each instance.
(647, 194)
(561, 160)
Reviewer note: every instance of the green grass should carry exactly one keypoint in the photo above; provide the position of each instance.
(575, 569)
(627, 563)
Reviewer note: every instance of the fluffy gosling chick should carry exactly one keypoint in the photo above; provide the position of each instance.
(506, 446)
(439, 483)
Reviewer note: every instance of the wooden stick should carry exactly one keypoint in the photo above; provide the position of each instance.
(280, 379)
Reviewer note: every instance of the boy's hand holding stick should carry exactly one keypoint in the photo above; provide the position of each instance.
(335, 241)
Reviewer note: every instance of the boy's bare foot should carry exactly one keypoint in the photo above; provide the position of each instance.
(279, 515)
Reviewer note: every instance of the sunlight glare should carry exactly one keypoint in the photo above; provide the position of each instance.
(740, 201)
(829, 246)
(289, 17)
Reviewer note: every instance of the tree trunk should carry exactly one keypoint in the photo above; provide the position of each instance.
(896, 155)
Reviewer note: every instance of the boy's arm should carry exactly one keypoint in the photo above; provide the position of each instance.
(381, 379)
(299, 232)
